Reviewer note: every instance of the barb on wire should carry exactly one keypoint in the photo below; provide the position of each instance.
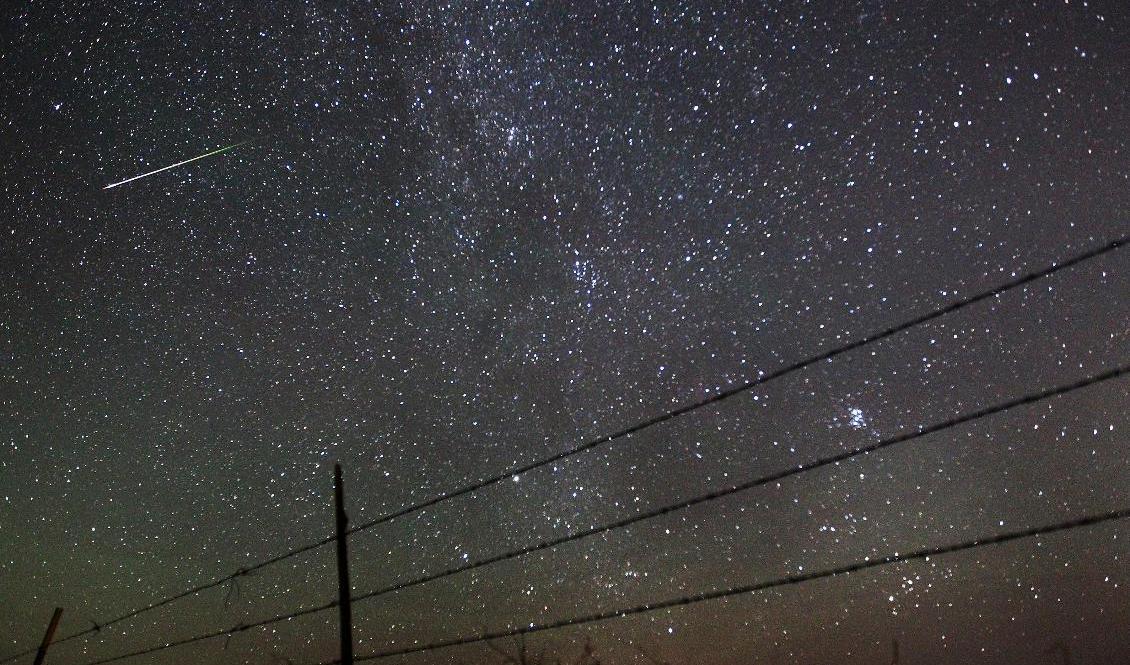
(233, 592)
(233, 587)
(232, 632)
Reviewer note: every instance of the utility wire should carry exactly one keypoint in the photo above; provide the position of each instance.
(924, 553)
(627, 431)
(717, 494)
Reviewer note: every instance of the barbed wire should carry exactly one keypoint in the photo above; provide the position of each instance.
(924, 553)
(625, 432)
(915, 433)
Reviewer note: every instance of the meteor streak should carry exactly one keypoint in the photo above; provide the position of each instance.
(173, 166)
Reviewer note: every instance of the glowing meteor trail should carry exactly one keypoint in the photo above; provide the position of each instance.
(173, 166)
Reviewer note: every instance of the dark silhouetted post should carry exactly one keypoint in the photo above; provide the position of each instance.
(343, 589)
(48, 636)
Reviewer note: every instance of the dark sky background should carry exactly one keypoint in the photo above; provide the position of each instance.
(469, 235)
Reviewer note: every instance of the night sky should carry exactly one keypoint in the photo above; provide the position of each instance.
(462, 236)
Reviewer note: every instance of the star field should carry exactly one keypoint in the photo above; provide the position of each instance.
(465, 236)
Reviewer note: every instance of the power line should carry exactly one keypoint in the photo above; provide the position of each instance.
(627, 431)
(924, 553)
(711, 496)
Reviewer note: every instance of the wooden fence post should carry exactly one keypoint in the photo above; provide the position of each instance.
(48, 636)
(343, 588)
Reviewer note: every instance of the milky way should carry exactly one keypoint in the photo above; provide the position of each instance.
(480, 234)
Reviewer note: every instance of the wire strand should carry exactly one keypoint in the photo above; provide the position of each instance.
(184, 594)
(924, 553)
(228, 632)
(758, 482)
(627, 431)
(717, 494)
(745, 386)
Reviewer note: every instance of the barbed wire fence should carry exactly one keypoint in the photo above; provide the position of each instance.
(988, 540)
